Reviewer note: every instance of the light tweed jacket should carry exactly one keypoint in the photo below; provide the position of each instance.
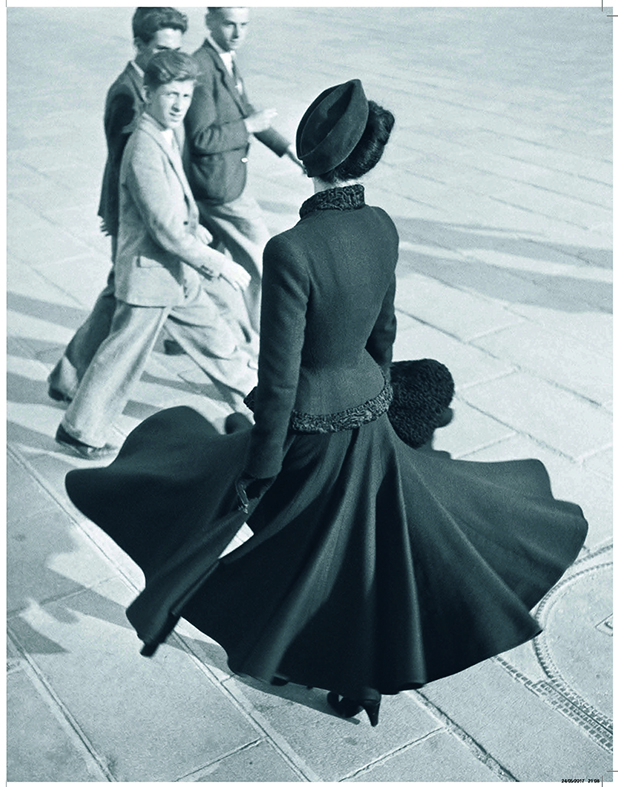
(159, 231)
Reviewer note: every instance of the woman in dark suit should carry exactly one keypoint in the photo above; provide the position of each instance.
(373, 567)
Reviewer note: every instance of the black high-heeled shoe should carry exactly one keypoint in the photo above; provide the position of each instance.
(347, 707)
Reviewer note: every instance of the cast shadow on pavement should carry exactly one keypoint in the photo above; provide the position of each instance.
(70, 317)
(535, 272)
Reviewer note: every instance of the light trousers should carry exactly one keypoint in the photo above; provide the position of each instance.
(117, 365)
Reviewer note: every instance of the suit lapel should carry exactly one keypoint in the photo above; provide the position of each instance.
(227, 79)
(151, 128)
(136, 80)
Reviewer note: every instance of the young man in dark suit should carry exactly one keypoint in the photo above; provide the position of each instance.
(154, 30)
(220, 124)
(162, 255)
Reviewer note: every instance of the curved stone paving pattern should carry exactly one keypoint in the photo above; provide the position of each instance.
(579, 610)
(576, 616)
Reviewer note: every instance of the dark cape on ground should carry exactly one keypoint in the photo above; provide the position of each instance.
(371, 564)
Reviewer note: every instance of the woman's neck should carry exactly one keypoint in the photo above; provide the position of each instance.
(320, 185)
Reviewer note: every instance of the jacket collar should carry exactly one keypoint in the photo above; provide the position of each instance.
(136, 79)
(150, 126)
(227, 79)
(337, 198)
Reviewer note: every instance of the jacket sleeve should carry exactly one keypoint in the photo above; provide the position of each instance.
(206, 134)
(269, 137)
(166, 220)
(382, 337)
(273, 140)
(285, 294)
(121, 118)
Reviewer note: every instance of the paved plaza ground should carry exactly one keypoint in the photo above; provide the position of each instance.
(499, 178)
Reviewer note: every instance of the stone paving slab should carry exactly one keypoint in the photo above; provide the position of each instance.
(38, 745)
(461, 314)
(468, 364)
(92, 673)
(539, 409)
(570, 365)
(439, 757)
(45, 559)
(257, 762)
(548, 746)
(336, 749)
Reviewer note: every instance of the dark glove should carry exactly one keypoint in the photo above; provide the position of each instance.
(249, 488)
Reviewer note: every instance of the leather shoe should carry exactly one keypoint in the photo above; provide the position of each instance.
(58, 396)
(84, 450)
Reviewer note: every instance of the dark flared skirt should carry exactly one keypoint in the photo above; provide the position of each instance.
(371, 564)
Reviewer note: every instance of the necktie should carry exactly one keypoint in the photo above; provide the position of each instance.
(236, 75)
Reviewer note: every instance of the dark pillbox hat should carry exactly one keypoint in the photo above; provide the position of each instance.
(332, 127)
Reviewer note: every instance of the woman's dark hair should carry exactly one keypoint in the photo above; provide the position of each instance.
(369, 149)
(169, 66)
(147, 22)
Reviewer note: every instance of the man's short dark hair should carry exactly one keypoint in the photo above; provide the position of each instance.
(170, 66)
(148, 21)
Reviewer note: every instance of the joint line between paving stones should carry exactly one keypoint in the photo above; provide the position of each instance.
(556, 247)
(454, 335)
(287, 753)
(537, 212)
(532, 437)
(567, 703)
(54, 599)
(61, 501)
(476, 749)
(60, 710)
(389, 755)
(450, 159)
(531, 373)
(217, 760)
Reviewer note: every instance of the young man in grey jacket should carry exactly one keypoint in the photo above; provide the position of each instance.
(162, 255)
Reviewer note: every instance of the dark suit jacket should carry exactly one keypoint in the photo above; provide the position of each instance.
(124, 105)
(217, 139)
(160, 239)
(328, 320)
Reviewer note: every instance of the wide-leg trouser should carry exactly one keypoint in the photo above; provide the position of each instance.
(68, 372)
(197, 325)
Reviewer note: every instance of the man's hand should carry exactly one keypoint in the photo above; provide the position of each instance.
(235, 274)
(291, 155)
(260, 121)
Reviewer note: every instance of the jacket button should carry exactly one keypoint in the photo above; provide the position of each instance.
(244, 160)
(185, 222)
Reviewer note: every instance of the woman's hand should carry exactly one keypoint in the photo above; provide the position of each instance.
(249, 488)
(237, 276)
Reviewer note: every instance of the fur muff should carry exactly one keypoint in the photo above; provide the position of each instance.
(422, 393)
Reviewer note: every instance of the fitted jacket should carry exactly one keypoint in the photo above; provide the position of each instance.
(217, 138)
(124, 105)
(328, 323)
(159, 233)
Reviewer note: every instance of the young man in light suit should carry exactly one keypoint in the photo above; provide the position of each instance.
(154, 30)
(161, 248)
(220, 125)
